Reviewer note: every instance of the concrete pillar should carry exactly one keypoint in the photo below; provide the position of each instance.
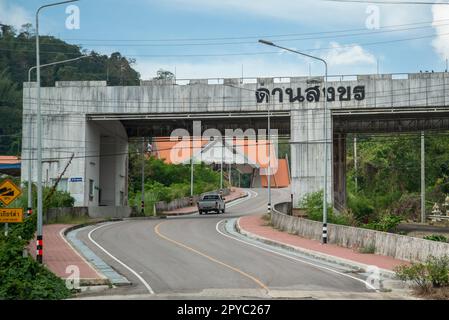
(307, 153)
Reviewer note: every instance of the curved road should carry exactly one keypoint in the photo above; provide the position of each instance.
(188, 256)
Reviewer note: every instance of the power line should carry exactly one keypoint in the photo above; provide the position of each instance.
(369, 33)
(390, 2)
(255, 53)
(253, 37)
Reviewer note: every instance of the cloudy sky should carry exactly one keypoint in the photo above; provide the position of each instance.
(218, 38)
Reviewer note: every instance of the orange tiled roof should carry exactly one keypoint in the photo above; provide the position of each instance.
(280, 179)
(255, 151)
(9, 160)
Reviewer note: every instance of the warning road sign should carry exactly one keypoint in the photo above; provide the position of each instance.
(9, 192)
(11, 215)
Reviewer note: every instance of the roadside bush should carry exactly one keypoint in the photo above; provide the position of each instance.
(361, 207)
(408, 206)
(313, 204)
(386, 223)
(416, 273)
(57, 199)
(22, 277)
(436, 237)
(433, 273)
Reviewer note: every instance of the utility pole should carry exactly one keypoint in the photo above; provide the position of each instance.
(221, 165)
(39, 236)
(142, 203)
(423, 181)
(191, 174)
(355, 164)
(229, 173)
(325, 142)
(269, 157)
(240, 185)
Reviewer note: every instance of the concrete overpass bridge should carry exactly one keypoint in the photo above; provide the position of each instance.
(95, 122)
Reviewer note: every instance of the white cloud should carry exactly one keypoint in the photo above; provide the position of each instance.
(309, 12)
(441, 42)
(348, 55)
(223, 68)
(342, 60)
(12, 14)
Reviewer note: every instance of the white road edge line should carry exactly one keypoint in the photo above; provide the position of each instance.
(150, 290)
(292, 258)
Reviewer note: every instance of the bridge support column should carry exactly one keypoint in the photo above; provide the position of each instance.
(307, 150)
(339, 163)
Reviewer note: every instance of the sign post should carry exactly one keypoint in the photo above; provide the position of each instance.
(8, 193)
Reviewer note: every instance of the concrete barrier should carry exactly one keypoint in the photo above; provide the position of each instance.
(285, 207)
(57, 214)
(388, 244)
(109, 212)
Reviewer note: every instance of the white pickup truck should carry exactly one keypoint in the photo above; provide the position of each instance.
(211, 202)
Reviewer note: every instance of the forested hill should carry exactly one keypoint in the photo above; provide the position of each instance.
(17, 55)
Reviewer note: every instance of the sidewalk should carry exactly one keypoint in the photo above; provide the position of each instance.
(255, 226)
(236, 193)
(58, 255)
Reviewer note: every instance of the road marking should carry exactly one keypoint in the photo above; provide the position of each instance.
(150, 290)
(257, 281)
(290, 257)
(61, 234)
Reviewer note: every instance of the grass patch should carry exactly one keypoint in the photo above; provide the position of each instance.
(436, 237)
(267, 220)
(369, 249)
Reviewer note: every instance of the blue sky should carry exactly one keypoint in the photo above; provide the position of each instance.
(214, 39)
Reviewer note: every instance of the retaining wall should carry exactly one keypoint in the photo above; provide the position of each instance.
(53, 214)
(388, 244)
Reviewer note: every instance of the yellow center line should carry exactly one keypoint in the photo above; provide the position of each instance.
(260, 283)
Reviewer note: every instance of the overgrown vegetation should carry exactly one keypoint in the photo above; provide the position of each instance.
(388, 181)
(388, 178)
(18, 55)
(21, 277)
(429, 278)
(436, 237)
(359, 215)
(313, 204)
(166, 182)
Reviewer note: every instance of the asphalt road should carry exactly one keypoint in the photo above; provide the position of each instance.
(187, 256)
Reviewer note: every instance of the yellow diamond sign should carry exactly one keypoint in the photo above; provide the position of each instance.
(9, 192)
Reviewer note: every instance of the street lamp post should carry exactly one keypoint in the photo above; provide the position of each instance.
(30, 194)
(39, 134)
(269, 157)
(269, 43)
